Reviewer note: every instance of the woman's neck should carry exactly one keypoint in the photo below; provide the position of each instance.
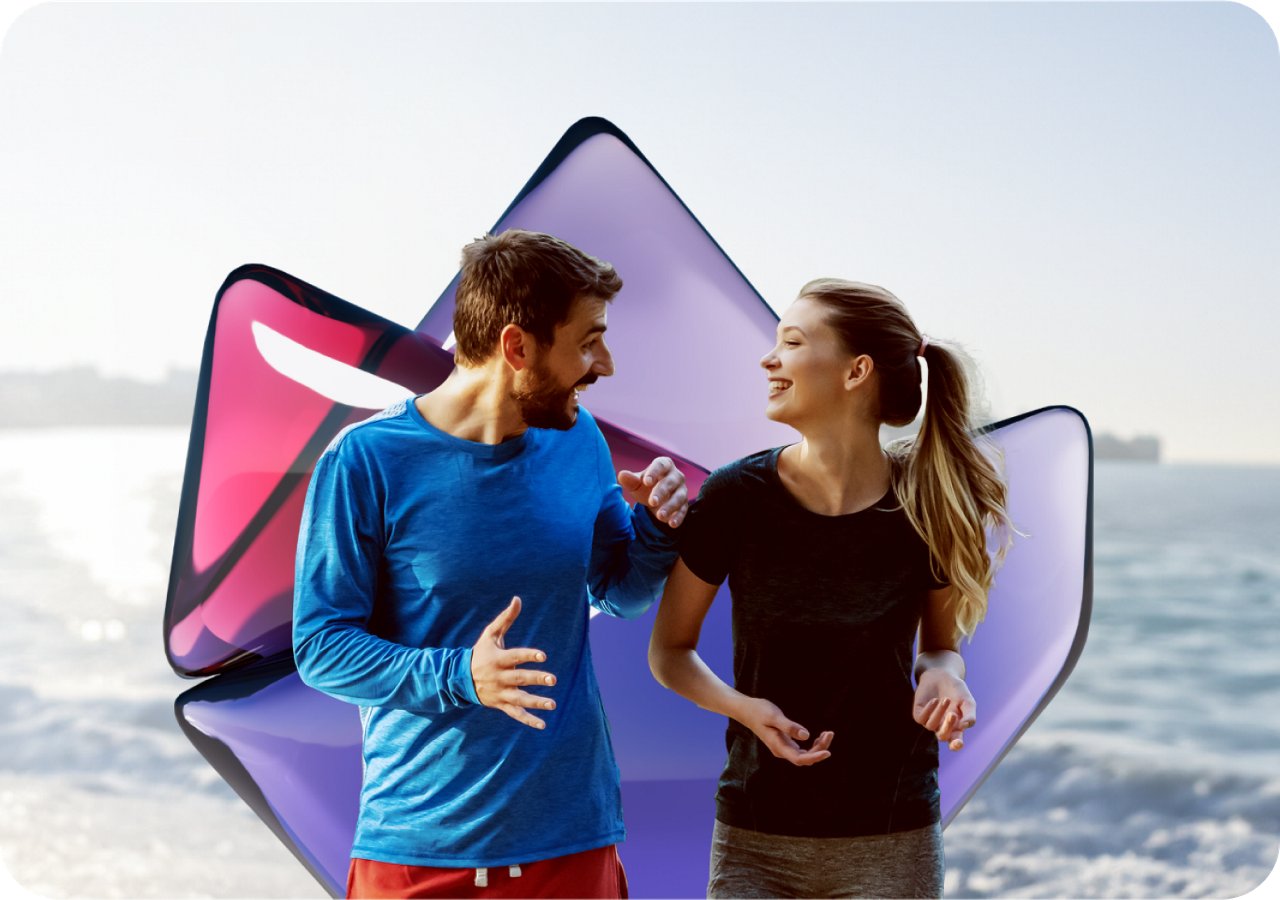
(837, 471)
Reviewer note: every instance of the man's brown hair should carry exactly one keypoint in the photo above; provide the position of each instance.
(524, 278)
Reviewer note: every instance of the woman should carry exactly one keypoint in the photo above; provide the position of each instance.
(838, 553)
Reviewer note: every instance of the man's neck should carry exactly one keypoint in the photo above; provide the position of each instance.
(474, 404)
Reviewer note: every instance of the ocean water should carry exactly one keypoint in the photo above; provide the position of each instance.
(1153, 773)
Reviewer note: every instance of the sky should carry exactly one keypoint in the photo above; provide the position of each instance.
(1084, 195)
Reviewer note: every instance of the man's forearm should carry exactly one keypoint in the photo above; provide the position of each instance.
(350, 664)
(627, 578)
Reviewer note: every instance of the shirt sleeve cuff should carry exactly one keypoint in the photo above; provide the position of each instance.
(651, 529)
(462, 688)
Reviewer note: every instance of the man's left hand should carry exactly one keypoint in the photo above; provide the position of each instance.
(660, 488)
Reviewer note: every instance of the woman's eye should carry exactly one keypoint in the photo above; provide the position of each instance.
(791, 343)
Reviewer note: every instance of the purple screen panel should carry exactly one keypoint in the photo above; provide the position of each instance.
(286, 366)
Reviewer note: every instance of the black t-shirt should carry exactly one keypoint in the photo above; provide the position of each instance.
(825, 612)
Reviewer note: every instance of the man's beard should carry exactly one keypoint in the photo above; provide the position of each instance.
(543, 404)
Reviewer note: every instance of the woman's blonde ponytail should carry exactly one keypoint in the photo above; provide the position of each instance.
(953, 493)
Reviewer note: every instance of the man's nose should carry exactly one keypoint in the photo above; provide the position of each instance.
(603, 366)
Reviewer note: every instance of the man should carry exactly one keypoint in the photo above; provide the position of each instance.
(449, 548)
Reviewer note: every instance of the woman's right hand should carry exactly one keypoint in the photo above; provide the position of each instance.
(780, 734)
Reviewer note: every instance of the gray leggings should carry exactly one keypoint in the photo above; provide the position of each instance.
(748, 863)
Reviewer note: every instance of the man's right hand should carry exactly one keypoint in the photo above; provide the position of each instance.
(496, 678)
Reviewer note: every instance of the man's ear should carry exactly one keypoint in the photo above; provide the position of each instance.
(517, 347)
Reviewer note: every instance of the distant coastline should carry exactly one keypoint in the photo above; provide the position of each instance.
(47, 399)
(1143, 448)
(83, 396)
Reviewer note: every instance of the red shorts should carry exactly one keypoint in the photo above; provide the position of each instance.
(590, 874)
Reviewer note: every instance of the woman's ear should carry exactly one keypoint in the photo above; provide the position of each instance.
(859, 371)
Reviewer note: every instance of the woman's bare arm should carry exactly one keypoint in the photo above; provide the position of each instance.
(943, 703)
(674, 661)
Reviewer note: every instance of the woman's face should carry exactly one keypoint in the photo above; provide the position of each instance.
(808, 369)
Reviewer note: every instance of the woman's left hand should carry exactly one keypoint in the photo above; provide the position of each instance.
(944, 705)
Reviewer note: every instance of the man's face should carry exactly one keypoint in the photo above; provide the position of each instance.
(548, 393)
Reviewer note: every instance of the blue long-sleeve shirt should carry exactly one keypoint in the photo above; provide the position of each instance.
(412, 541)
